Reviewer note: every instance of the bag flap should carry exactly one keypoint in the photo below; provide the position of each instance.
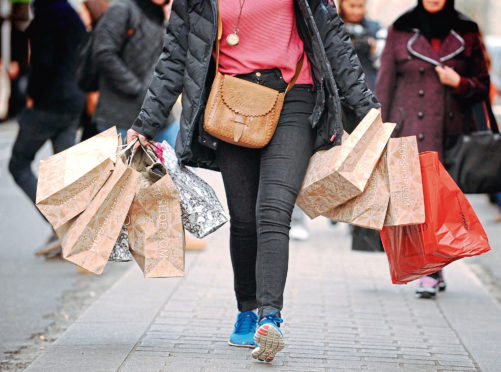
(246, 98)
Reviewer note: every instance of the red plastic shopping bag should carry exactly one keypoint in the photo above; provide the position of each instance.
(451, 230)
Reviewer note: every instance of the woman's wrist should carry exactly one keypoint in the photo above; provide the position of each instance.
(462, 88)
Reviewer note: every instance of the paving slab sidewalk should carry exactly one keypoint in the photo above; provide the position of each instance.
(341, 313)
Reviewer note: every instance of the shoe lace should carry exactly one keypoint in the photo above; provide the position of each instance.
(274, 318)
(246, 322)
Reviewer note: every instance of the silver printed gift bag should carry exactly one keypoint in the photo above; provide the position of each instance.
(201, 210)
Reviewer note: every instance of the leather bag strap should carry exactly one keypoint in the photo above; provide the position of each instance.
(492, 117)
(219, 35)
(299, 65)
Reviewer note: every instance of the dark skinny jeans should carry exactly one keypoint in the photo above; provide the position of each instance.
(261, 188)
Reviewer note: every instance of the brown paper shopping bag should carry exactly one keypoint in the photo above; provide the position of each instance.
(341, 173)
(69, 180)
(155, 228)
(406, 205)
(369, 208)
(88, 239)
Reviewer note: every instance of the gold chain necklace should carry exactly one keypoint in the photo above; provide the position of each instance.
(233, 39)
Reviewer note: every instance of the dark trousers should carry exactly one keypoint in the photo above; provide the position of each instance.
(35, 128)
(261, 188)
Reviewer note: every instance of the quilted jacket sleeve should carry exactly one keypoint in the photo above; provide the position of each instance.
(110, 34)
(167, 82)
(343, 59)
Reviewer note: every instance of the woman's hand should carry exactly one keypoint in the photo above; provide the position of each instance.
(448, 76)
(132, 135)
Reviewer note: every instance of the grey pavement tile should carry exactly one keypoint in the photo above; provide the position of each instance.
(98, 358)
(182, 367)
(378, 347)
(301, 350)
(395, 360)
(308, 356)
(98, 334)
(414, 368)
(110, 311)
(384, 367)
(144, 363)
(343, 357)
(456, 363)
(344, 364)
(380, 353)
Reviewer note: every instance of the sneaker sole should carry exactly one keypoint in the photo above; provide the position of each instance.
(244, 346)
(269, 342)
(426, 294)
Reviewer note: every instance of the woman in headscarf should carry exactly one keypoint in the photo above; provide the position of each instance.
(432, 71)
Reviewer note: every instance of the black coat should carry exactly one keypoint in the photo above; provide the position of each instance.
(54, 35)
(128, 40)
(186, 66)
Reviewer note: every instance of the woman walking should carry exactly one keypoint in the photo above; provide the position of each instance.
(263, 42)
(363, 33)
(432, 71)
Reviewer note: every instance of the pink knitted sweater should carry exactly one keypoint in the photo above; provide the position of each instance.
(268, 39)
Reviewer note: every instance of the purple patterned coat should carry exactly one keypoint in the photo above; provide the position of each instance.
(410, 91)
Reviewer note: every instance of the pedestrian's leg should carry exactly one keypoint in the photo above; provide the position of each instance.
(30, 138)
(429, 285)
(66, 136)
(283, 166)
(240, 171)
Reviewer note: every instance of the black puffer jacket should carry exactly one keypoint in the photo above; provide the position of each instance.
(186, 66)
(128, 41)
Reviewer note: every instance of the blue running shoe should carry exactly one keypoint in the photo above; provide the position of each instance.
(243, 333)
(269, 338)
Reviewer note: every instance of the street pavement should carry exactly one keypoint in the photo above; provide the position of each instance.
(39, 298)
(341, 313)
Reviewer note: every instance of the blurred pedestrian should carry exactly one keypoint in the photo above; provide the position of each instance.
(432, 71)
(363, 33)
(55, 102)
(262, 43)
(14, 19)
(17, 71)
(90, 12)
(128, 42)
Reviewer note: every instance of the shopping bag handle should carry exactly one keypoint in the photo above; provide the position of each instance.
(127, 146)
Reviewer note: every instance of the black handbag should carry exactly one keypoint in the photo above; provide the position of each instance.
(366, 240)
(474, 159)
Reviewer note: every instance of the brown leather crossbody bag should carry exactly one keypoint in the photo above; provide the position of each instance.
(241, 112)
